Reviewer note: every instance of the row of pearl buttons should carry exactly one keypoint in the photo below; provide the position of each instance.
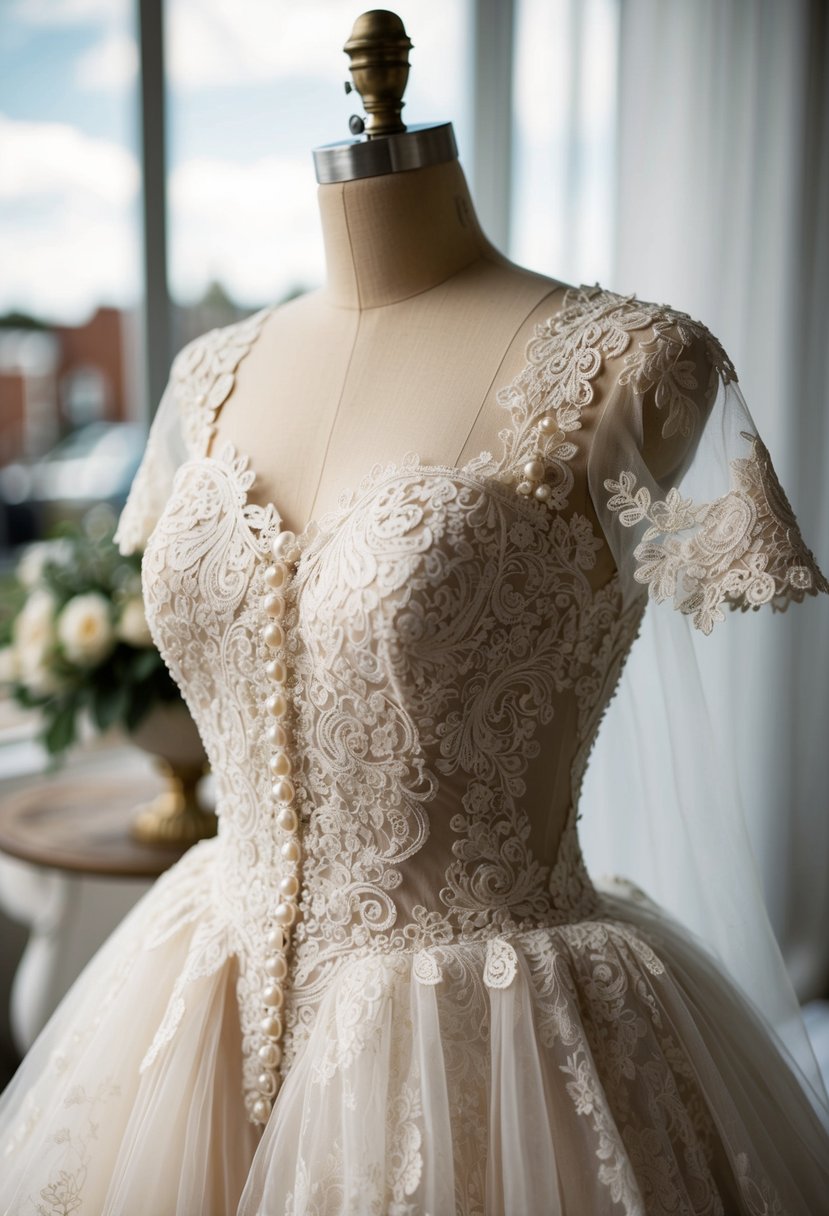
(535, 471)
(285, 552)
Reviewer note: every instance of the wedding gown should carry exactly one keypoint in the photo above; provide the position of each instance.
(389, 985)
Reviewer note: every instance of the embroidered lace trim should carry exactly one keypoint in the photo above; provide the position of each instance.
(743, 549)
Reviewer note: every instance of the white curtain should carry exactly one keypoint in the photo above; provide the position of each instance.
(722, 210)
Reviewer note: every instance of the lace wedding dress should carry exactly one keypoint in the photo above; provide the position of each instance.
(389, 985)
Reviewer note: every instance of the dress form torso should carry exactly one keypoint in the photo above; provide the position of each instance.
(462, 1022)
(420, 323)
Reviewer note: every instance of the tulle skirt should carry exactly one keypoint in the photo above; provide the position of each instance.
(596, 1068)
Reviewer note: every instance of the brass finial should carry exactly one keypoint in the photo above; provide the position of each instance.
(379, 52)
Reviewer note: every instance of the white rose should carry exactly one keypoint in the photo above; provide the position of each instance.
(9, 665)
(35, 673)
(132, 627)
(30, 566)
(85, 629)
(34, 626)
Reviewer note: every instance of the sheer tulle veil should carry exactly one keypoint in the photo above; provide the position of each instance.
(661, 804)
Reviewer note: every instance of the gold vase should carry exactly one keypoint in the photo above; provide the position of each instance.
(176, 818)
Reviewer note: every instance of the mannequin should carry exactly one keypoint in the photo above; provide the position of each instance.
(389, 982)
(420, 322)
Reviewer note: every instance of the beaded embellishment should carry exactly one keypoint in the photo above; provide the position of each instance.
(285, 553)
(552, 449)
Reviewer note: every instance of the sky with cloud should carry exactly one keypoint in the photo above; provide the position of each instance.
(253, 86)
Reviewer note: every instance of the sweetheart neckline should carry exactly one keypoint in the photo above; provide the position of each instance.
(484, 459)
(238, 466)
(484, 470)
(230, 454)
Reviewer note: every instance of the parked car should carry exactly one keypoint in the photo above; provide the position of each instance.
(94, 464)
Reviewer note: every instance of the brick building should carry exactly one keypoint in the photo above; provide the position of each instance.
(56, 378)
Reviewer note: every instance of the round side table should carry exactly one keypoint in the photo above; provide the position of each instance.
(70, 870)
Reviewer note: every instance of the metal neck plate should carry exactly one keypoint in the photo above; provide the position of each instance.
(414, 148)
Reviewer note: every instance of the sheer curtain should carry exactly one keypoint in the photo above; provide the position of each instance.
(721, 210)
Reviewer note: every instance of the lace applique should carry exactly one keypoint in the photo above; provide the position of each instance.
(759, 1197)
(657, 364)
(64, 1193)
(597, 1014)
(743, 549)
(566, 355)
(501, 964)
(201, 379)
(425, 968)
(405, 1161)
(203, 375)
(209, 950)
(363, 991)
(547, 398)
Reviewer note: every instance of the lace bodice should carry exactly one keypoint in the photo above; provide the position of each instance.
(399, 715)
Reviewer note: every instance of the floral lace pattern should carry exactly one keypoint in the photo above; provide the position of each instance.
(744, 549)
(64, 1195)
(659, 363)
(444, 638)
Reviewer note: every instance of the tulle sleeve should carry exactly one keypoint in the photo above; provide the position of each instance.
(685, 488)
(166, 449)
(698, 524)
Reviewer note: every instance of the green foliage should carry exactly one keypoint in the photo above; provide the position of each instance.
(129, 678)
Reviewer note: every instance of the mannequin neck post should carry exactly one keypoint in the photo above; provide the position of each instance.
(398, 234)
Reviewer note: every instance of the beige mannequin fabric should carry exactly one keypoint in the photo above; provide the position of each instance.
(420, 324)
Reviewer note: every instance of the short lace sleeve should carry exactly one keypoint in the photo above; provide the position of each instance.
(684, 487)
(166, 449)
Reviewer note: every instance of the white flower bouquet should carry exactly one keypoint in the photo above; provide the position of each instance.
(77, 641)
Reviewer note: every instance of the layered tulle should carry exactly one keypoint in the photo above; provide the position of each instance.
(570, 1070)
(84, 1130)
(599, 1067)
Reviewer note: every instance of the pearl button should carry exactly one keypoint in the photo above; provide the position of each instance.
(284, 914)
(534, 470)
(276, 939)
(275, 606)
(280, 764)
(284, 545)
(277, 705)
(200, 399)
(543, 492)
(261, 1109)
(273, 997)
(525, 487)
(276, 966)
(271, 1025)
(274, 635)
(277, 735)
(270, 1054)
(547, 424)
(287, 819)
(288, 886)
(290, 850)
(276, 670)
(283, 790)
(266, 1082)
(276, 575)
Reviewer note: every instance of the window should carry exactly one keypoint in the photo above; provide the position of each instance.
(253, 87)
(250, 88)
(70, 182)
(564, 115)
